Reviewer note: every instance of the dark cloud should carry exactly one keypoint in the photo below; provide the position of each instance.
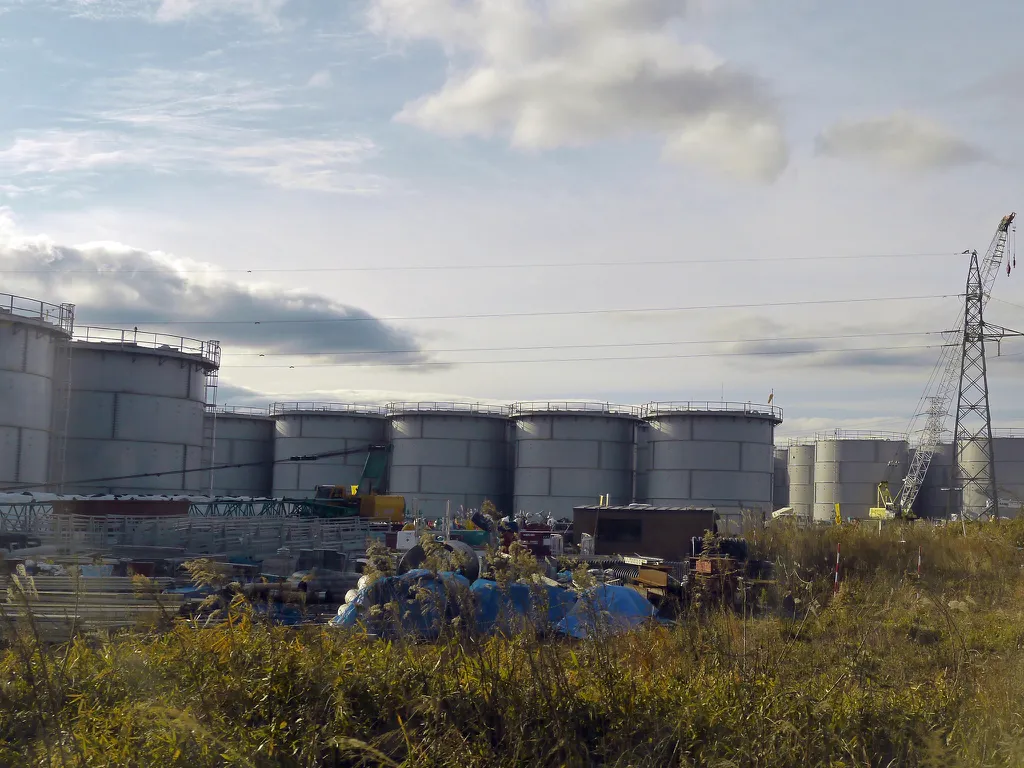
(900, 141)
(114, 285)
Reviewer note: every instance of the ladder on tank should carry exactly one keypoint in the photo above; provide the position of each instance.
(210, 423)
(61, 410)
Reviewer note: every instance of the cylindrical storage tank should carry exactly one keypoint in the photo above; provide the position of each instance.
(935, 499)
(136, 415)
(780, 478)
(304, 429)
(711, 455)
(800, 468)
(241, 436)
(33, 335)
(848, 467)
(1008, 450)
(449, 454)
(570, 454)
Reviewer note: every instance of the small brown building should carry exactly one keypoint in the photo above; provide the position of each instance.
(664, 532)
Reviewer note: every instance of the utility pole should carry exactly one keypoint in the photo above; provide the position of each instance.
(973, 445)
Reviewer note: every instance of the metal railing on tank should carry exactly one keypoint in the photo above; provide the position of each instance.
(60, 315)
(241, 410)
(279, 409)
(573, 407)
(859, 434)
(487, 409)
(707, 406)
(134, 339)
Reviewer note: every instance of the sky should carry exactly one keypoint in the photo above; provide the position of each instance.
(510, 200)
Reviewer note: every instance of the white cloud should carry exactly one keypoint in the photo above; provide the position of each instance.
(175, 122)
(562, 73)
(321, 79)
(901, 141)
(164, 11)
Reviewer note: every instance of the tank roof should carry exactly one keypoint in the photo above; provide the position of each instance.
(280, 409)
(59, 317)
(573, 408)
(136, 341)
(241, 410)
(751, 410)
(473, 409)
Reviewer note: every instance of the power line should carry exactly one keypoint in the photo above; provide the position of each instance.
(442, 363)
(457, 267)
(549, 313)
(366, 352)
(145, 475)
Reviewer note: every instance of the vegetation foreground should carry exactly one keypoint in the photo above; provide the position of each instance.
(896, 669)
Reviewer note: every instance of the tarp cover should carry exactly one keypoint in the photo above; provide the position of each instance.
(606, 609)
(424, 602)
(508, 608)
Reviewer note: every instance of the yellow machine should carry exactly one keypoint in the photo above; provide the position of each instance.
(372, 506)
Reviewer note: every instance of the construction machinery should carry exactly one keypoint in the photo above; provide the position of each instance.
(946, 382)
(364, 499)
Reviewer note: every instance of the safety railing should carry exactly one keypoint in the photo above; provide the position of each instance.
(240, 410)
(279, 409)
(131, 339)
(859, 434)
(487, 409)
(572, 406)
(707, 406)
(60, 315)
(1004, 432)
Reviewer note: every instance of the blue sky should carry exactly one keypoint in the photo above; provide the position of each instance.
(183, 165)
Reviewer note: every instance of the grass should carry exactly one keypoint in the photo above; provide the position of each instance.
(893, 670)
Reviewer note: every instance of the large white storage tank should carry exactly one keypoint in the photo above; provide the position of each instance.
(1008, 449)
(449, 453)
(137, 404)
(303, 429)
(33, 375)
(244, 436)
(800, 468)
(780, 478)
(711, 454)
(570, 454)
(848, 467)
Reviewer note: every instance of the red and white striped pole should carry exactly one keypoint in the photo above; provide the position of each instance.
(837, 569)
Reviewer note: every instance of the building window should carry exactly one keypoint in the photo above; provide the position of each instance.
(621, 531)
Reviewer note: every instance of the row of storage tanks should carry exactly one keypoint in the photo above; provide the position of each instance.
(530, 457)
(105, 411)
(90, 411)
(813, 475)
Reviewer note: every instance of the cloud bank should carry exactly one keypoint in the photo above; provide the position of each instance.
(565, 73)
(117, 285)
(901, 141)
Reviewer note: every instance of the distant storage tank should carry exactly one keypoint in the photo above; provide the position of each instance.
(848, 468)
(571, 454)
(935, 499)
(711, 455)
(137, 403)
(780, 478)
(800, 468)
(1008, 449)
(453, 453)
(242, 436)
(33, 380)
(303, 429)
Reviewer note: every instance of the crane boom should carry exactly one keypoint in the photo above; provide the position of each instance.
(945, 379)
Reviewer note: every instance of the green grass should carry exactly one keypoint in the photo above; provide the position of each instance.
(895, 670)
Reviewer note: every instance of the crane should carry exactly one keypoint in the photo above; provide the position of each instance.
(944, 382)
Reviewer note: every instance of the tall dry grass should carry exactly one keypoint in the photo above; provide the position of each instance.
(894, 670)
